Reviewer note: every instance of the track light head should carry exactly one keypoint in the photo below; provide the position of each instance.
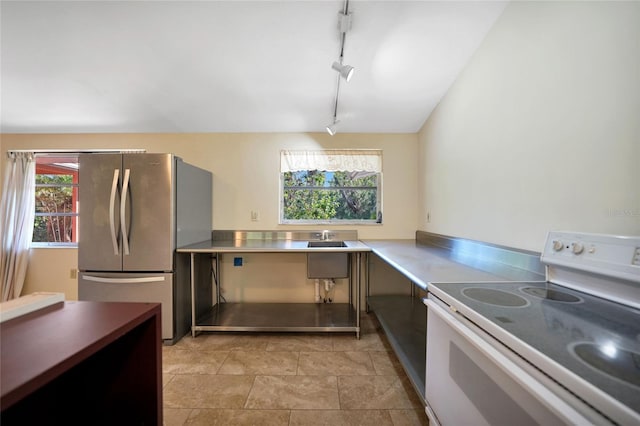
(346, 71)
(332, 129)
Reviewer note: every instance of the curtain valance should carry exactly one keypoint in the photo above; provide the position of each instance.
(352, 160)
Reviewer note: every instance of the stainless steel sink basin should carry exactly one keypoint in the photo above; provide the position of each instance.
(327, 263)
(326, 244)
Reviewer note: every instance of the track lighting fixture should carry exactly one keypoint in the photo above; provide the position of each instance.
(333, 128)
(346, 71)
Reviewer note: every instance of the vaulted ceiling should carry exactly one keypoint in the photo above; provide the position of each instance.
(230, 66)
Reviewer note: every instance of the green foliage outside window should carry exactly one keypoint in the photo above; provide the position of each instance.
(330, 196)
(54, 208)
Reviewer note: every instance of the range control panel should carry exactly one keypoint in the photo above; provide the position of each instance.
(608, 255)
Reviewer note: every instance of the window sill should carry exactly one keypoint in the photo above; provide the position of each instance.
(330, 222)
(54, 245)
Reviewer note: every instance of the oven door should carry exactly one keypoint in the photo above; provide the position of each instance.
(471, 382)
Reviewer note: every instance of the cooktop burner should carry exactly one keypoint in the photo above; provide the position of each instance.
(551, 294)
(616, 362)
(495, 297)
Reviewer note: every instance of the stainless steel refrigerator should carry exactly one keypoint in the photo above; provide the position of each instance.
(134, 211)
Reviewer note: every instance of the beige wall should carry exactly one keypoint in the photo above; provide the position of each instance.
(541, 131)
(52, 269)
(246, 178)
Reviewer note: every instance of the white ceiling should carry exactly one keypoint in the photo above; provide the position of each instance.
(230, 66)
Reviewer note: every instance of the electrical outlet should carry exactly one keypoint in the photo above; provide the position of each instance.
(255, 215)
(73, 273)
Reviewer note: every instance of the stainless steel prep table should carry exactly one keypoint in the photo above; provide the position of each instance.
(296, 317)
(434, 258)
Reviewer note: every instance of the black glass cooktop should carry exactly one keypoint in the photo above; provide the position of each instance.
(597, 339)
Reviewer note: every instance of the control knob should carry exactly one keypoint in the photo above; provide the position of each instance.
(557, 245)
(577, 248)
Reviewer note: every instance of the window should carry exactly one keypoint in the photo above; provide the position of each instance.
(56, 216)
(331, 186)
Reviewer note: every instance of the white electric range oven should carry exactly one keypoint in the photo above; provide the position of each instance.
(561, 351)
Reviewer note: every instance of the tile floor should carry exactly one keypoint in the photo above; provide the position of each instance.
(288, 379)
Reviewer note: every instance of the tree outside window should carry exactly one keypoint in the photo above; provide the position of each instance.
(56, 195)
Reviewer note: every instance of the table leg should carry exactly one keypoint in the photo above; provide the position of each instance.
(193, 294)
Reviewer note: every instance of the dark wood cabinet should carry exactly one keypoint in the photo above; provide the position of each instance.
(82, 363)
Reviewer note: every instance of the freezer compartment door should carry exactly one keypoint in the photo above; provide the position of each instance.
(148, 212)
(110, 287)
(99, 241)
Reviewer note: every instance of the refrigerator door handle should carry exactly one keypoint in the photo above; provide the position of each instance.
(123, 280)
(112, 208)
(123, 208)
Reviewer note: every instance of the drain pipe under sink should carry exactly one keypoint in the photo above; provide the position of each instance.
(318, 299)
(329, 283)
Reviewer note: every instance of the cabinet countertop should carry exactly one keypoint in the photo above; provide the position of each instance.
(42, 345)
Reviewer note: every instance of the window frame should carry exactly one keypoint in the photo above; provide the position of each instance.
(379, 214)
(74, 214)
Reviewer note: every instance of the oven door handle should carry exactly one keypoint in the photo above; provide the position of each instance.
(520, 376)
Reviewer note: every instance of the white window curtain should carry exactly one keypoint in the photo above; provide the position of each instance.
(350, 160)
(17, 210)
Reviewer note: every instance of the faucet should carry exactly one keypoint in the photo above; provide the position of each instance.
(326, 235)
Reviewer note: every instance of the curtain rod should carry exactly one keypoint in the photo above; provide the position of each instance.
(68, 151)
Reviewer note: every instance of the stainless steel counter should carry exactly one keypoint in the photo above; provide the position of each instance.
(292, 317)
(423, 263)
(435, 258)
(268, 246)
